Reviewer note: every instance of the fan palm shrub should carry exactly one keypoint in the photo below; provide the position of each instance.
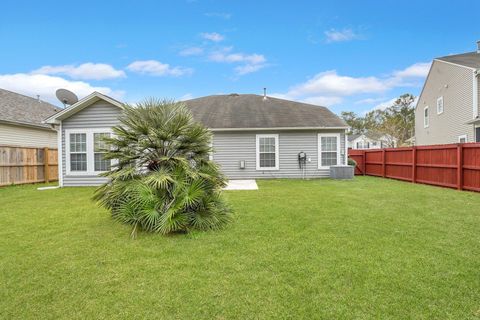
(162, 180)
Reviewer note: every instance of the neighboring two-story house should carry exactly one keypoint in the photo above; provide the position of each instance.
(448, 107)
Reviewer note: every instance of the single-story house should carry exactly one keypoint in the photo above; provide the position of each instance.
(371, 140)
(253, 136)
(21, 121)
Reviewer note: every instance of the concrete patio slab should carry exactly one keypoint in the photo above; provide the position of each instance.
(241, 185)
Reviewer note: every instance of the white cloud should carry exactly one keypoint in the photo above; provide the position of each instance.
(316, 100)
(330, 88)
(186, 96)
(156, 68)
(347, 34)
(369, 100)
(248, 62)
(212, 36)
(417, 70)
(323, 101)
(222, 15)
(385, 104)
(331, 83)
(191, 51)
(85, 71)
(46, 85)
(388, 103)
(248, 68)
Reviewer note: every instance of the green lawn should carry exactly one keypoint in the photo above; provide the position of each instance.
(319, 249)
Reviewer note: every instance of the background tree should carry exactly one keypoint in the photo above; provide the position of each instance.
(355, 122)
(397, 121)
(163, 181)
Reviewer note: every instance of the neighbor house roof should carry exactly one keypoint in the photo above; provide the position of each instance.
(18, 109)
(352, 137)
(469, 59)
(250, 111)
(372, 135)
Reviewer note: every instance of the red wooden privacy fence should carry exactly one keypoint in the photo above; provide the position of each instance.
(451, 165)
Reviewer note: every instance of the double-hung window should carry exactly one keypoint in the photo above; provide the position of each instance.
(267, 152)
(78, 152)
(99, 149)
(85, 151)
(328, 150)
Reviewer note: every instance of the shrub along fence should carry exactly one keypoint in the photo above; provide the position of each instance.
(20, 165)
(451, 165)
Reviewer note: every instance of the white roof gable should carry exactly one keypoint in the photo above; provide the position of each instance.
(81, 104)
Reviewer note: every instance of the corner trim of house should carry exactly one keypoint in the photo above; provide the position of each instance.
(475, 94)
(60, 155)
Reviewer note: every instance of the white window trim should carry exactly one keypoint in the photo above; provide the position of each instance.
(443, 106)
(319, 142)
(277, 152)
(90, 151)
(426, 124)
(463, 136)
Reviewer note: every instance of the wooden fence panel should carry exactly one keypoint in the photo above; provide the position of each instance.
(358, 156)
(374, 163)
(20, 165)
(453, 165)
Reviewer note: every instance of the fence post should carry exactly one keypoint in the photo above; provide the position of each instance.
(384, 163)
(364, 165)
(459, 166)
(414, 164)
(46, 165)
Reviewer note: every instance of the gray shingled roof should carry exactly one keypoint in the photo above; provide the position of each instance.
(253, 111)
(469, 59)
(352, 137)
(373, 135)
(17, 108)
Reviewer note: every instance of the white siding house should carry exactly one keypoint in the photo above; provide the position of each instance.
(253, 136)
(371, 141)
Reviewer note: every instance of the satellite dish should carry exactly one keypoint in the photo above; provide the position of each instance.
(66, 97)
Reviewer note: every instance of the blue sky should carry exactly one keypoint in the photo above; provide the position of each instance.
(347, 55)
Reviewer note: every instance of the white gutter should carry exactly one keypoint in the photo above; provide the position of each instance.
(278, 128)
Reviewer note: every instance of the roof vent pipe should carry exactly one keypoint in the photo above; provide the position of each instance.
(478, 46)
(264, 93)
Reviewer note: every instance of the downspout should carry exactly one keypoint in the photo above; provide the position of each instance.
(475, 102)
(346, 147)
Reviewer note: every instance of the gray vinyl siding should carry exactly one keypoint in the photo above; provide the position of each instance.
(22, 136)
(232, 147)
(98, 115)
(455, 84)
